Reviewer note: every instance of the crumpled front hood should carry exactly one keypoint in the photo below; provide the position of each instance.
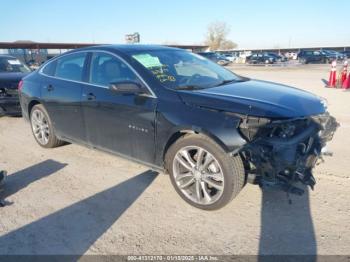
(257, 98)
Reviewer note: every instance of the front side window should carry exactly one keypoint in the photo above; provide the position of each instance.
(12, 65)
(71, 67)
(106, 69)
(177, 68)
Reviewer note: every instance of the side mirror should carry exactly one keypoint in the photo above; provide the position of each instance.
(126, 87)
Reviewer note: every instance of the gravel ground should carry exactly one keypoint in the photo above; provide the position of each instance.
(74, 200)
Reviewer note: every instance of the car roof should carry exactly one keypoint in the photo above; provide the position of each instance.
(7, 56)
(127, 48)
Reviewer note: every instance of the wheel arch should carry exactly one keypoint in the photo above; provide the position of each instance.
(180, 132)
(32, 104)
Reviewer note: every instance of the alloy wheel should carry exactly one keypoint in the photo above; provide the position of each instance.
(198, 175)
(40, 127)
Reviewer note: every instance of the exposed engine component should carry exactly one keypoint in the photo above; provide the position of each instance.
(283, 152)
(7, 92)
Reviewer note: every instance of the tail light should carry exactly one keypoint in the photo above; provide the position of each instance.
(20, 85)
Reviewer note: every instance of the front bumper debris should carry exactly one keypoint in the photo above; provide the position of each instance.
(9, 102)
(282, 153)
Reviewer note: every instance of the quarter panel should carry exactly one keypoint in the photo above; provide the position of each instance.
(31, 90)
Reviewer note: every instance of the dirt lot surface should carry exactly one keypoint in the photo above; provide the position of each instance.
(73, 200)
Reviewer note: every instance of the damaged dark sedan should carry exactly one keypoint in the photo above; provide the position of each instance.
(210, 129)
(11, 72)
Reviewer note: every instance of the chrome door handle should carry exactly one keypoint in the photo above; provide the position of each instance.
(50, 88)
(91, 96)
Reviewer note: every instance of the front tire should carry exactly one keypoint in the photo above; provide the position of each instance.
(303, 61)
(42, 128)
(202, 173)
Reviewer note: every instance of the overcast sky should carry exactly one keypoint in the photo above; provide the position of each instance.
(254, 23)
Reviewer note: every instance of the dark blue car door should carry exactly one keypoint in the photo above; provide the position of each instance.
(61, 95)
(122, 123)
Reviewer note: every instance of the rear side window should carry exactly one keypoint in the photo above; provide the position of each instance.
(49, 69)
(71, 67)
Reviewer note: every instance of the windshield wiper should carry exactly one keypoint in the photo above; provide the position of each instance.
(224, 82)
(188, 87)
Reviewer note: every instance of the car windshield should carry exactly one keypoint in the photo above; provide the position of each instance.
(179, 69)
(328, 52)
(12, 65)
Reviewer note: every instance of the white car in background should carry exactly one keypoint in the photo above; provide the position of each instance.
(291, 55)
(231, 57)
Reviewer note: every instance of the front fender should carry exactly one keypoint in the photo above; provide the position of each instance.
(217, 125)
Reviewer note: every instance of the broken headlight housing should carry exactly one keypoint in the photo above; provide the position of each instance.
(256, 127)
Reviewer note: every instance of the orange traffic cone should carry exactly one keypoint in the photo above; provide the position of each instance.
(346, 83)
(333, 75)
(344, 73)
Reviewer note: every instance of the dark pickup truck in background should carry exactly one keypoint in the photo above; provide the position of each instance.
(320, 56)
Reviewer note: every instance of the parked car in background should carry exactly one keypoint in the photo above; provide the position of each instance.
(279, 58)
(33, 65)
(291, 55)
(337, 55)
(245, 54)
(11, 72)
(231, 56)
(346, 53)
(209, 128)
(215, 57)
(261, 58)
(309, 56)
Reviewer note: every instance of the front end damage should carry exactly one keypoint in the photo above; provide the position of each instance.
(281, 153)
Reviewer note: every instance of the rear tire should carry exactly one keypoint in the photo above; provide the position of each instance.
(217, 183)
(42, 128)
